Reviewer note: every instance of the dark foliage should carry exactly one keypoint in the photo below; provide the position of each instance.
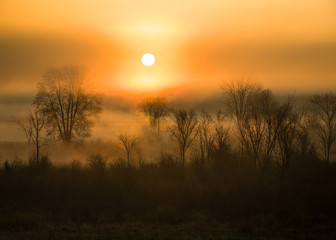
(168, 193)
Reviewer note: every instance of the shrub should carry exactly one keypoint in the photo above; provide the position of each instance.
(97, 163)
(15, 163)
(42, 163)
(76, 165)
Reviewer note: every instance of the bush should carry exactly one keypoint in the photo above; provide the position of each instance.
(76, 165)
(15, 163)
(97, 163)
(43, 163)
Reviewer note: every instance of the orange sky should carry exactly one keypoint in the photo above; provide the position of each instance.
(288, 45)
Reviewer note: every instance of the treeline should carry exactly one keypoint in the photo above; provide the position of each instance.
(254, 125)
(259, 158)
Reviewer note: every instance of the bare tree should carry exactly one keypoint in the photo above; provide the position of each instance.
(69, 108)
(221, 135)
(323, 120)
(129, 146)
(155, 109)
(238, 95)
(184, 130)
(306, 145)
(237, 98)
(255, 127)
(205, 136)
(258, 117)
(288, 134)
(212, 136)
(32, 125)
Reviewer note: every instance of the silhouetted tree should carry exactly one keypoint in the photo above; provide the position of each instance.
(184, 130)
(205, 136)
(66, 104)
(306, 146)
(155, 109)
(221, 135)
(323, 120)
(258, 117)
(275, 115)
(288, 134)
(128, 143)
(237, 97)
(32, 125)
(256, 128)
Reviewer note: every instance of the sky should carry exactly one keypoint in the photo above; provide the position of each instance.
(288, 46)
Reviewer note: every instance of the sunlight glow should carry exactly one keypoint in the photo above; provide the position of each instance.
(147, 82)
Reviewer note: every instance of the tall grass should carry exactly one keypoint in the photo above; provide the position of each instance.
(165, 192)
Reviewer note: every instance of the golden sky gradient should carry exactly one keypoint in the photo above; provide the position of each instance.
(287, 45)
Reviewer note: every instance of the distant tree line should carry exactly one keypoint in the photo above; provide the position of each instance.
(262, 130)
(255, 126)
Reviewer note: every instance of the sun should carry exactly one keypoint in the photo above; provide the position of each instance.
(148, 59)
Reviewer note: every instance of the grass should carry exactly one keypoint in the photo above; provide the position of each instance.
(167, 201)
(35, 226)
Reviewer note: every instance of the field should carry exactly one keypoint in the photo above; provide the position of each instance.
(166, 201)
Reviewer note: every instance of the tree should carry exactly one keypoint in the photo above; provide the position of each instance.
(32, 125)
(288, 135)
(323, 120)
(238, 95)
(184, 130)
(129, 143)
(155, 109)
(258, 118)
(221, 136)
(306, 145)
(237, 98)
(205, 136)
(256, 128)
(69, 109)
